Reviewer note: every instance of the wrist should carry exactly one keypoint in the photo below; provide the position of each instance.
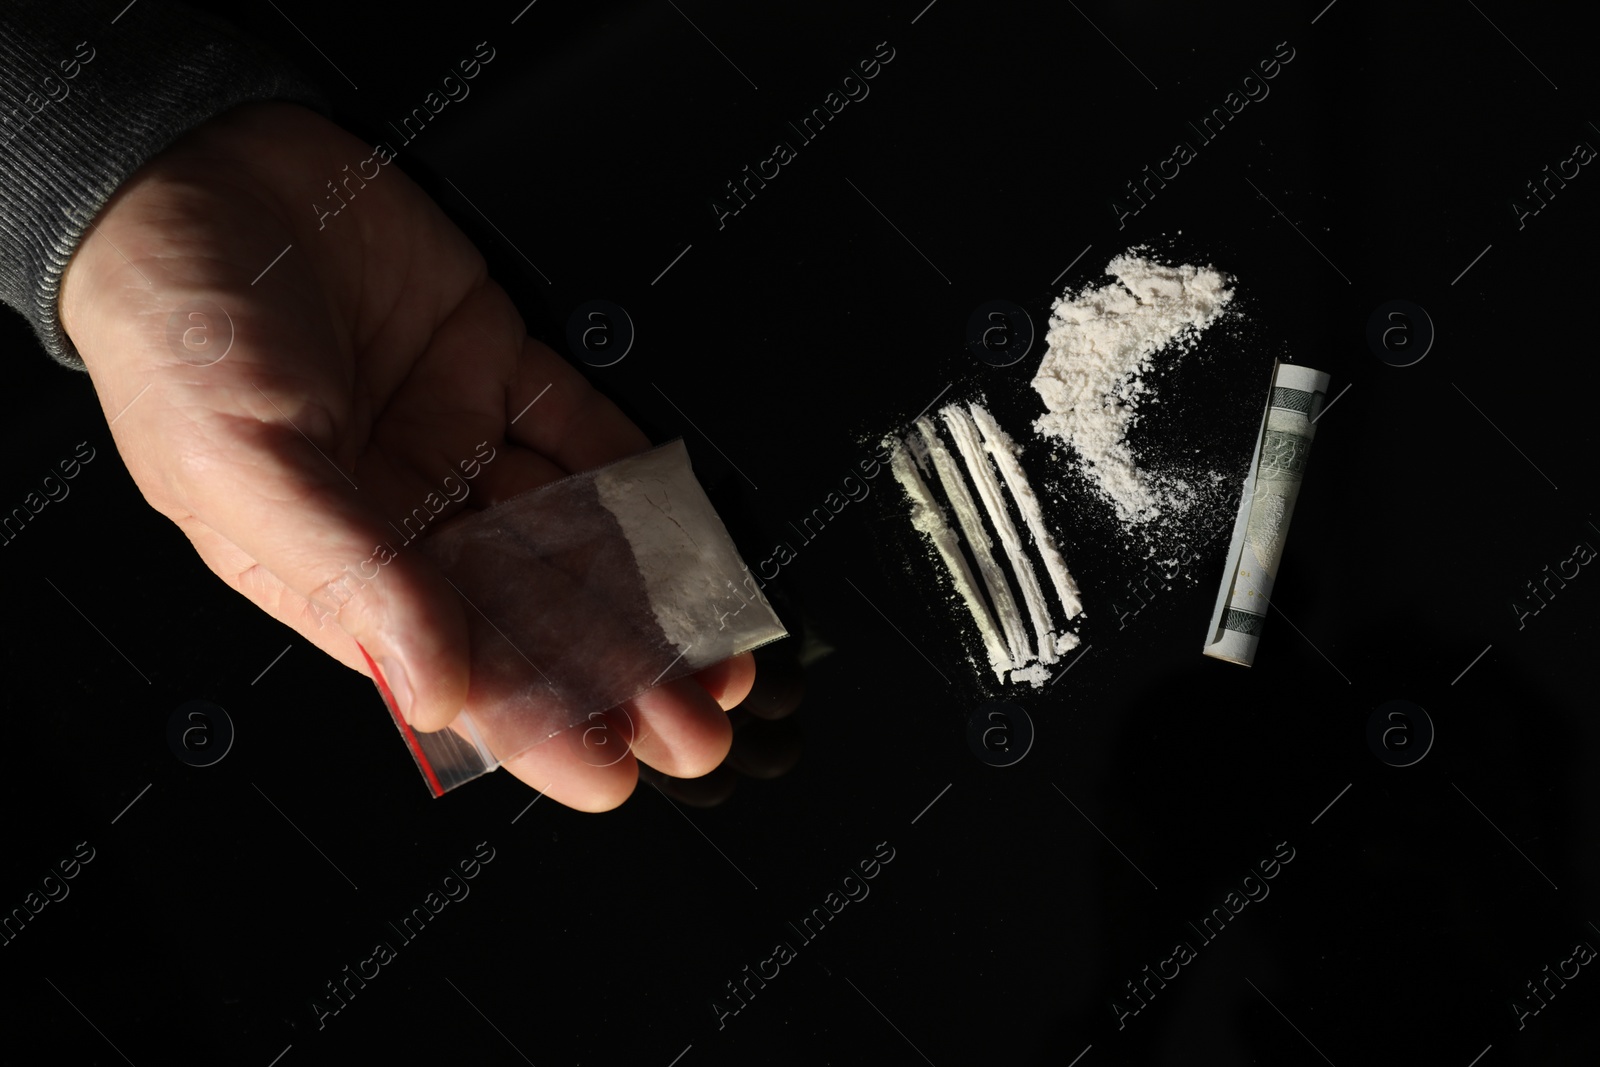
(164, 237)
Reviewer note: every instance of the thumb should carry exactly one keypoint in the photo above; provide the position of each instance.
(408, 624)
(322, 533)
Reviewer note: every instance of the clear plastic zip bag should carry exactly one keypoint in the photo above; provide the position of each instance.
(580, 595)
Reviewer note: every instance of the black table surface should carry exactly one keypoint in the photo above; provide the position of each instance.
(1433, 890)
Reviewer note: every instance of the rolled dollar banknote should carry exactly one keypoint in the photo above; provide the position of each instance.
(1294, 401)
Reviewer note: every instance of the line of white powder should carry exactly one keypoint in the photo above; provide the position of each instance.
(928, 517)
(965, 435)
(1004, 451)
(971, 521)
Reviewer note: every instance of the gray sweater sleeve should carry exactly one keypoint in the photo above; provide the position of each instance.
(84, 102)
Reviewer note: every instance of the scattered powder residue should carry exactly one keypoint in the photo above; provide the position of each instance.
(1102, 343)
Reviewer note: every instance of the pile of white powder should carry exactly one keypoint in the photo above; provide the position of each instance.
(1102, 345)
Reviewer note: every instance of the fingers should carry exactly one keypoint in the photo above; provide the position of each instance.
(705, 792)
(262, 588)
(580, 768)
(730, 681)
(514, 471)
(676, 728)
(682, 731)
(299, 518)
(761, 749)
(569, 420)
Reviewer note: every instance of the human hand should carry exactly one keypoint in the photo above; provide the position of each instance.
(370, 356)
(767, 742)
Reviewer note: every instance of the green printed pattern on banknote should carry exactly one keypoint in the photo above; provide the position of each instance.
(1295, 399)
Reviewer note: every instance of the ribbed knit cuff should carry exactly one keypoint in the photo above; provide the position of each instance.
(84, 104)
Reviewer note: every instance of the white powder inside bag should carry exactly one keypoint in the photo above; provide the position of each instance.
(690, 602)
(1102, 343)
(701, 594)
